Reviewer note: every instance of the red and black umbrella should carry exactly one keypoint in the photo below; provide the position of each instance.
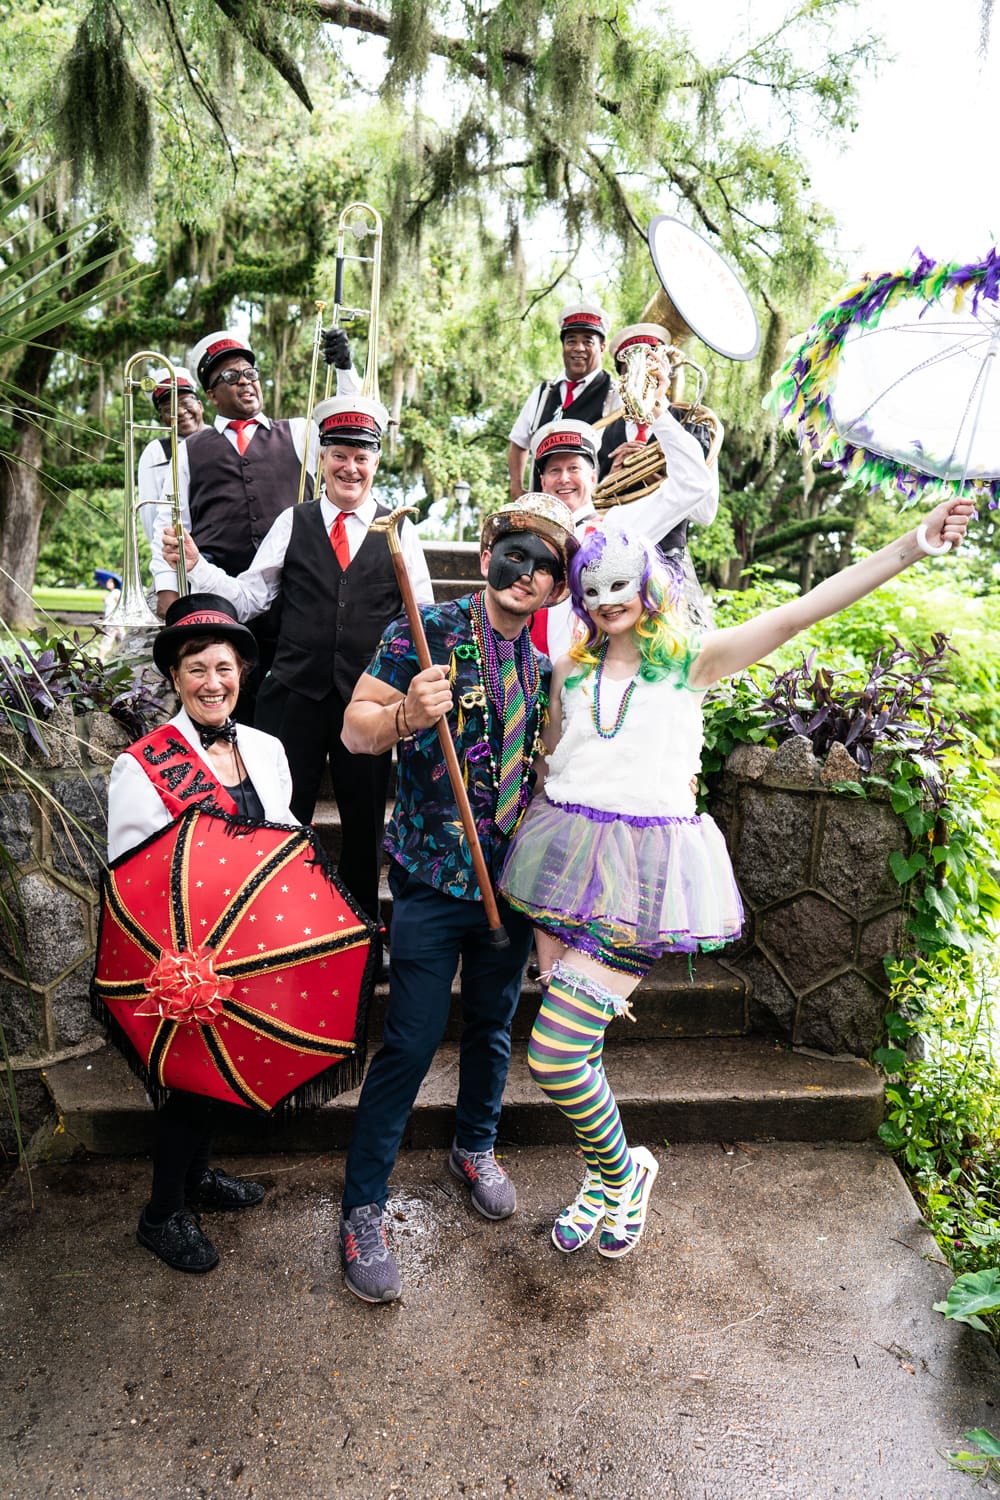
(232, 963)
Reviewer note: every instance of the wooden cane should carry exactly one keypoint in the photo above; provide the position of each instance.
(390, 525)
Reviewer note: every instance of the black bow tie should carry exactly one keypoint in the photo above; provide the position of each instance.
(209, 733)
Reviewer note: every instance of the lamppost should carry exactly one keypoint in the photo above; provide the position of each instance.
(461, 490)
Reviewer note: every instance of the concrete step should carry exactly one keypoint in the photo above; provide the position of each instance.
(668, 1005)
(454, 588)
(693, 1090)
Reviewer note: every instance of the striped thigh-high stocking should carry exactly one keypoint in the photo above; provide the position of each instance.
(565, 1055)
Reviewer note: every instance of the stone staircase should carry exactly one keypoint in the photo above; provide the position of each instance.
(689, 1069)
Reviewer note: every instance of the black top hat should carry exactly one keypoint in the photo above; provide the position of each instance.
(198, 615)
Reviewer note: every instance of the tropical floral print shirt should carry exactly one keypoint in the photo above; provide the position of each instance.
(425, 832)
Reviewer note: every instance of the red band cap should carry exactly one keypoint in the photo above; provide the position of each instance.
(561, 440)
(349, 419)
(639, 338)
(582, 317)
(221, 344)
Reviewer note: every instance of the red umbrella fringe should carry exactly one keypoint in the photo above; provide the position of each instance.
(343, 1075)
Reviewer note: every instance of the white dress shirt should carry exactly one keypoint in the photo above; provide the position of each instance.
(520, 433)
(152, 483)
(257, 588)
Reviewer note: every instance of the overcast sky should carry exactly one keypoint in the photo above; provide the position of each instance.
(920, 169)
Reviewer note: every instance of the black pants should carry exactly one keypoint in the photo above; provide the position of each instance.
(310, 729)
(182, 1145)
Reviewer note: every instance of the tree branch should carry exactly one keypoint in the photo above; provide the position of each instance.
(254, 28)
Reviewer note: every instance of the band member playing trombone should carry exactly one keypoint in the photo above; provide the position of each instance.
(566, 454)
(235, 477)
(583, 392)
(338, 593)
(153, 473)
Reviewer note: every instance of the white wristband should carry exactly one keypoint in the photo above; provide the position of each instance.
(925, 545)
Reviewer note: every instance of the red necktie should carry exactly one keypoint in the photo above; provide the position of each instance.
(571, 386)
(242, 436)
(641, 431)
(339, 542)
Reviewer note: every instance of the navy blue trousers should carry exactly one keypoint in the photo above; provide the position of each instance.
(431, 932)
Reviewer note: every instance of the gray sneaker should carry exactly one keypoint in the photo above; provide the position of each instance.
(493, 1193)
(369, 1269)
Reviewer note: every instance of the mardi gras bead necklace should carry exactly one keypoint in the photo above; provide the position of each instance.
(482, 650)
(595, 702)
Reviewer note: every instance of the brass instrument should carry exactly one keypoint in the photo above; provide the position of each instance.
(362, 220)
(725, 321)
(132, 612)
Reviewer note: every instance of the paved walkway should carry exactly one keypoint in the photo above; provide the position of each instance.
(773, 1336)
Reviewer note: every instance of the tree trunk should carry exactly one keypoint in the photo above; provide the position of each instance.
(22, 499)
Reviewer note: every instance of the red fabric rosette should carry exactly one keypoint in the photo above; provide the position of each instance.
(185, 988)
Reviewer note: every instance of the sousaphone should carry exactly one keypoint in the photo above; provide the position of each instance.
(700, 296)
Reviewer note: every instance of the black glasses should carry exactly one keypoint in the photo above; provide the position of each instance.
(233, 377)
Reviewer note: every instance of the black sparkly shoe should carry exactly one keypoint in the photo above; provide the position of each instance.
(180, 1242)
(217, 1190)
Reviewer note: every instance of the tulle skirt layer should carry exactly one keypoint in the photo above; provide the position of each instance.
(659, 884)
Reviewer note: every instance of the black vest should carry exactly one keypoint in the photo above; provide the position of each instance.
(235, 499)
(587, 407)
(616, 433)
(331, 621)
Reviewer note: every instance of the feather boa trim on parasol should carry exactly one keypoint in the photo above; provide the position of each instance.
(803, 388)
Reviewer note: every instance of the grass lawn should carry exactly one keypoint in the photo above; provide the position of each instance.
(74, 601)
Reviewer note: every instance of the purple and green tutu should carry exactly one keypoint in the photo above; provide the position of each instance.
(608, 880)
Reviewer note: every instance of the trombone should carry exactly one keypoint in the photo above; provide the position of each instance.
(132, 611)
(361, 220)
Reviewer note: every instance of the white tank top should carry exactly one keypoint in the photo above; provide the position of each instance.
(646, 769)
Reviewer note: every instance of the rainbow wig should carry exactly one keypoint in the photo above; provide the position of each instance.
(662, 642)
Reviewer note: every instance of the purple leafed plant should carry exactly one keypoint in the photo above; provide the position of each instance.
(892, 708)
(45, 673)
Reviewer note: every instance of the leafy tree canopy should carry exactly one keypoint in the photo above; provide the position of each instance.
(225, 139)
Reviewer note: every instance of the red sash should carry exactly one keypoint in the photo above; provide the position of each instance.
(178, 772)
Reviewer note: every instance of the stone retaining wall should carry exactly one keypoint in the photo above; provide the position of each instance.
(58, 863)
(823, 908)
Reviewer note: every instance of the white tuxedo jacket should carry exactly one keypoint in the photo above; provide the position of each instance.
(136, 809)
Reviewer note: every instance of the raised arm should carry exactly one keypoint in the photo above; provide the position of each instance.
(728, 651)
(690, 491)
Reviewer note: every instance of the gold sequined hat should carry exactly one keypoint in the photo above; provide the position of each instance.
(543, 514)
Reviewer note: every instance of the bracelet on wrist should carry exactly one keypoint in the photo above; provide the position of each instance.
(405, 733)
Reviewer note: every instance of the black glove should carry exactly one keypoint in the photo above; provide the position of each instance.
(336, 349)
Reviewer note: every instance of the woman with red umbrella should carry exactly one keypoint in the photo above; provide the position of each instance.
(195, 758)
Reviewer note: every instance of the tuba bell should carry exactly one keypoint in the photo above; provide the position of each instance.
(706, 300)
